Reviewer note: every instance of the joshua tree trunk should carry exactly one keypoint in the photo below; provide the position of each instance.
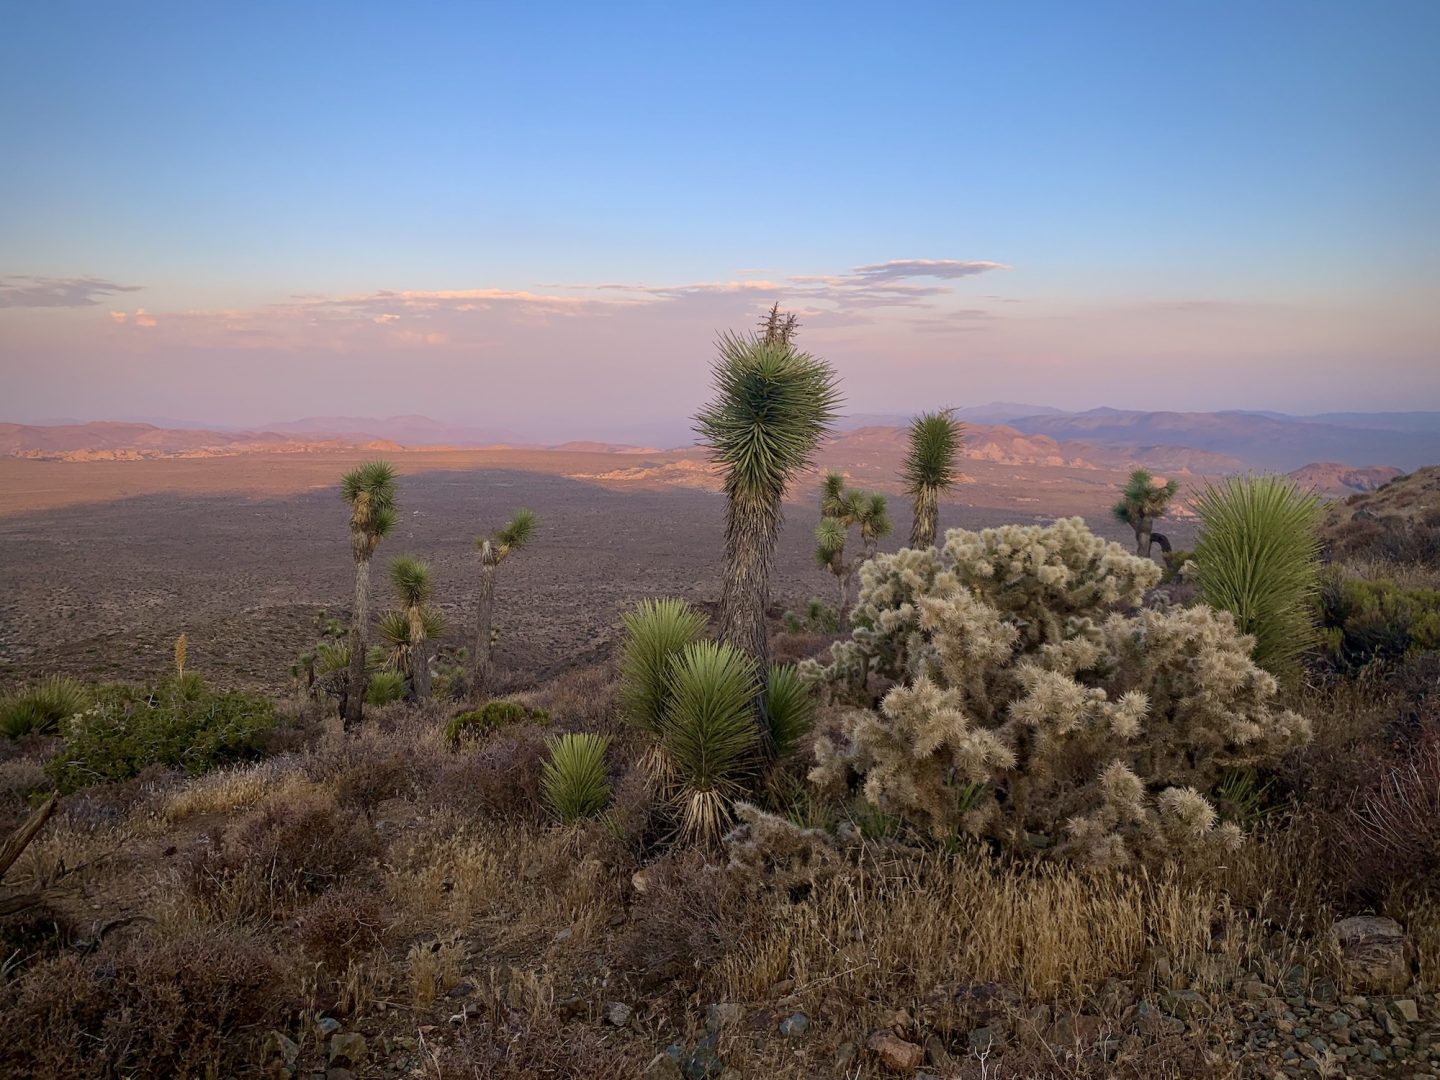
(1142, 536)
(1162, 540)
(927, 518)
(359, 623)
(419, 656)
(480, 668)
(751, 529)
(843, 578)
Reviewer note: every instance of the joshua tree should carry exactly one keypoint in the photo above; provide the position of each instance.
(1141, 502)
(771, 407)
(416, 620)
(842, 509)
(778, 327)
(370, 493)
(929, 470)
(494, 549)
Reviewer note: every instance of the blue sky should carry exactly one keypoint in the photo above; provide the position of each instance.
(1249, 186)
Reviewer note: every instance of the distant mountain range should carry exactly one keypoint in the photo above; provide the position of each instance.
(1334, 452)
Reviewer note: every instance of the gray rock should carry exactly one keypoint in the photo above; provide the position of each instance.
(1375, 953)
(723, 1014)
(328, 1026)
(348, 1047)
(981, 1040)
(278, 1045)
(662, 1067)
(792, 1027)
(1408, 1010)
(618, 1013)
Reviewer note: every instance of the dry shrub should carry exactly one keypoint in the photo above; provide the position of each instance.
(224, 791)
(499, 777)
(185, 1007)
(1391, 832)
(583, 699)
(791, 648)
(895, 928)
(435, 968)
(293, 844)
(444, 883)
(340, 924)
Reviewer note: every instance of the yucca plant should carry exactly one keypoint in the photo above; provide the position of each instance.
(39, 709)
(790, 704)
(398, 653)
(494, 549)
(574, 778)
(384, 687)
(656, 631)
(930, 469)
(369, 491)
(182, 649)
(1141, 502)
(772, 406)
(1257, 557)
(414, 590)
(708, 734)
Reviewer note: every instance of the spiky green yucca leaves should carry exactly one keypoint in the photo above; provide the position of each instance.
(574, 778)
(513, 535)
(791, 705)
(708, 733)
(1257, 557)
(411, 578)
(830, 545)
(929, 470)
(1142, 501)
(369, 491)
(772, 405)
(656, 632)
(39, 709)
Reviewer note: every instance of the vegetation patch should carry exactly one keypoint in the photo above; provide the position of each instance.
(492, 716)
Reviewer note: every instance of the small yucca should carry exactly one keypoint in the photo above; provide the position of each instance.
(657, 631)
(708, 733)
(574, 778)
(791, 708)
(39, 709)
(1257, 557)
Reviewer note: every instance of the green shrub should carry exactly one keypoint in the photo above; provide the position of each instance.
(39, 709)
(790, 704)
(818, 618)
(574, 778)
(656, 631)
(180, 722)
(385, 687)
(491, 717)
(1365, 621)
(1257, 557)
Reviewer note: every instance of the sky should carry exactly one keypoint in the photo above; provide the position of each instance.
(539, 216)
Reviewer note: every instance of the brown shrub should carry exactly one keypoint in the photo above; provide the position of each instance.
(340, 924)
(185, 1007)
(584, 700)
(498, 777)
(283, 849)
(1391, 832)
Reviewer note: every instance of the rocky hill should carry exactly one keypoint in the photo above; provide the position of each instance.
(1332, 479)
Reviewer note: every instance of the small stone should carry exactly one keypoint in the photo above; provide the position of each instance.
(618, 1013)
(723, 1014)
(662, 1067)
(1408, 1010)
(349, 1047)
(980, 1040)
(792, 1027)
(703, 1063)
(781, 988)
(895, 1053)
(1324, 991)
(1255, 990)
(935, 1052)
(844, 1055)
(460, 990)
(564, 935)
(279, 1045)
(1340, 1018)
(328, 1026)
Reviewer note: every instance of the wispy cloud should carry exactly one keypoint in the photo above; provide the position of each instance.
(899, 269)
(29, 290)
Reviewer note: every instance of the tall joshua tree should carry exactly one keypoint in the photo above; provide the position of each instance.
(929, 470)
(494, 549)
(370, 493)
(1141, 502)
(771, 407)
(413, 588)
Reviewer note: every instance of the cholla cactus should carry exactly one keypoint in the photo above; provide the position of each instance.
(1020, 700)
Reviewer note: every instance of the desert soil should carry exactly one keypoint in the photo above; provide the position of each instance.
(103, 564)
